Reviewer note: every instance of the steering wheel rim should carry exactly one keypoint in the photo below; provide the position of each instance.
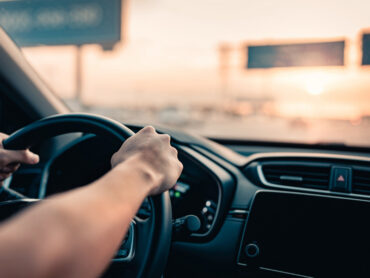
(154, 259)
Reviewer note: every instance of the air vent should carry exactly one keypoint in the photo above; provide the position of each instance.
(304, 176)
(361, 181)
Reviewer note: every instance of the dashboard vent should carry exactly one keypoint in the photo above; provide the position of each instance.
(305, 176)
(361, 181)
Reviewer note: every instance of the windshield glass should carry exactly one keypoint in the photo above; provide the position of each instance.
(286, 71)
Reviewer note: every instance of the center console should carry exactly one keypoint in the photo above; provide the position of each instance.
(307, 234)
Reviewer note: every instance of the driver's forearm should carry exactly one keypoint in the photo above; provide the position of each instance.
(74, 234)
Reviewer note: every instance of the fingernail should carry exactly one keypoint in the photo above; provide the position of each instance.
(35, 158)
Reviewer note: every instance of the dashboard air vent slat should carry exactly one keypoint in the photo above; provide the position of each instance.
(361, 181)
(304, 176)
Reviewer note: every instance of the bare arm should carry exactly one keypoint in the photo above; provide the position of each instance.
(75, 234)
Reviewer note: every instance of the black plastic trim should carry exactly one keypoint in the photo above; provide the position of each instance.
(308, 146)
(312, 156)
(226, 186)
(252, 172)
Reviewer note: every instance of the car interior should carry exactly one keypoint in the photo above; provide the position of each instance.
(241, 208)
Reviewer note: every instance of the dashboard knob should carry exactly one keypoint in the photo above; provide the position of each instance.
(187, 224)
(192, 223)
(252, 250)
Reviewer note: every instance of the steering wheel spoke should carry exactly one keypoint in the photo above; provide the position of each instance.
(126, 251)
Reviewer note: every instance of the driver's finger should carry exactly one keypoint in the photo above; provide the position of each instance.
(3, 136)
(25, 156)
(10, 168)
(148, 129)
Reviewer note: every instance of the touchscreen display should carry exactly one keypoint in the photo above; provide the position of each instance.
(309, 234)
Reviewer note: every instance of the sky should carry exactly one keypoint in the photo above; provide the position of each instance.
(170, 55)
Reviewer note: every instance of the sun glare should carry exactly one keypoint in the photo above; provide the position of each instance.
(314, 88)
(315, 83)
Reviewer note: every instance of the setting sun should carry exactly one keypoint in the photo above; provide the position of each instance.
(314, 86)
(316, 82)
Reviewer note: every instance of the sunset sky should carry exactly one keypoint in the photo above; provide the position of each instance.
(170, 54)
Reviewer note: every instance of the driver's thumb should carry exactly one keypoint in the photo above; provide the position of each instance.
(24, 156)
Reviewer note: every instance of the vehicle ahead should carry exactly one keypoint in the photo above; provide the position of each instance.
(243, 206)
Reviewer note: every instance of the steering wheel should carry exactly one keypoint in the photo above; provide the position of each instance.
(150, 239)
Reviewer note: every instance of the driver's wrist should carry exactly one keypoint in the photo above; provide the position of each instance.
(140, 171)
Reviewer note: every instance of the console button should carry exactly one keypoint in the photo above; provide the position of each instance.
(341, 179)
(252, 250)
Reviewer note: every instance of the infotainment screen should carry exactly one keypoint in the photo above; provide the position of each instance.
(309, 235)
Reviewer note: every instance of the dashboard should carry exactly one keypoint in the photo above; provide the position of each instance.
(290, 213)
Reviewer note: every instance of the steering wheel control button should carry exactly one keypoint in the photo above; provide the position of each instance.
(252, 250)
(341, 179)
(122, 252)
(126, 250)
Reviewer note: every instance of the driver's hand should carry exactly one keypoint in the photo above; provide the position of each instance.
(11, 160)
(153, 151)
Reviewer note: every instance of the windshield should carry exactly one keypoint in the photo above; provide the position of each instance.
(286, 71)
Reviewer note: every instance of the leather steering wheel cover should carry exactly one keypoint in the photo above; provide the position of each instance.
(162, 238)
(65, 123)
(80, 122)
